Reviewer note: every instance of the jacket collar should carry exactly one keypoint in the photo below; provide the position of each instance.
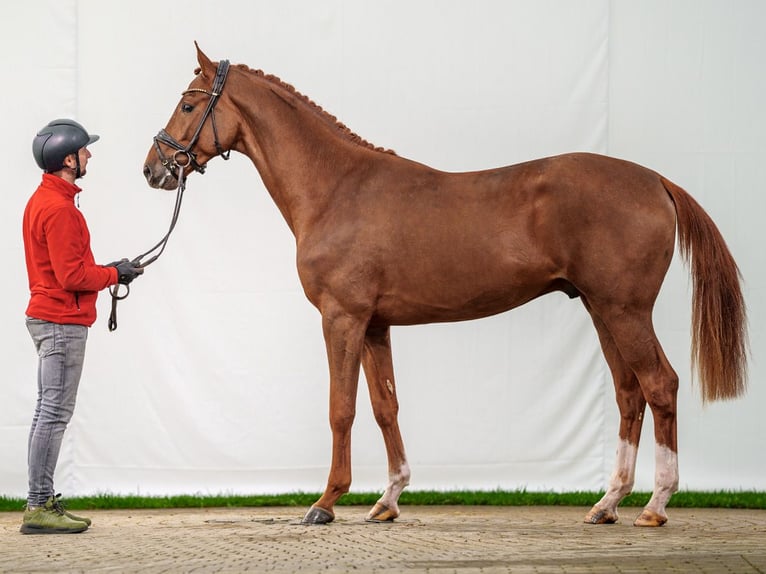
(60, 185)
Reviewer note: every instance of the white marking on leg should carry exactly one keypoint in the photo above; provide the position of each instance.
(396, 484)
(623, 476)
(665, 478)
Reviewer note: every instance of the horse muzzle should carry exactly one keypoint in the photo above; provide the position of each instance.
(160, 177)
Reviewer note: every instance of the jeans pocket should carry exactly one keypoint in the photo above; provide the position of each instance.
(43, 335)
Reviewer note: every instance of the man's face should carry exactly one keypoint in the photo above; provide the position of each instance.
(84, 155)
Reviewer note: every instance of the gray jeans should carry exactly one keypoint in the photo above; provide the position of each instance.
(61, 352)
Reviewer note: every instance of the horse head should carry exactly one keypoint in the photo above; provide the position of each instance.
(195, 133)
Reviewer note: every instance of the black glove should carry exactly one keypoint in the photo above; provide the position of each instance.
(126, 271)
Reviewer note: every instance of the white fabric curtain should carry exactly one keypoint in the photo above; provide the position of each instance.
(216, 379)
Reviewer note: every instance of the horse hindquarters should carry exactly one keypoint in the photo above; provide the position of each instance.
(638, 362)
(618, 270)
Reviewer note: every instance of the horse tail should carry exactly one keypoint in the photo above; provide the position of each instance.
(719, 324)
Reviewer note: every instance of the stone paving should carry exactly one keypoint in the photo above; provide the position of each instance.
(426, 539)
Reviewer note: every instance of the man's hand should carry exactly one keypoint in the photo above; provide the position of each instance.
(126, 271)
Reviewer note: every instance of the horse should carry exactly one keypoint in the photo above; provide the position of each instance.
(382, 240)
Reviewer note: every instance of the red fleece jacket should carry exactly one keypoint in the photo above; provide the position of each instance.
(64, 279)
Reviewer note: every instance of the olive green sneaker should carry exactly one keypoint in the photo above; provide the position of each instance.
(50, 519)
(57, 502)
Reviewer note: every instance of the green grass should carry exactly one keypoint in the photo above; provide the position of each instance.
(686, 499)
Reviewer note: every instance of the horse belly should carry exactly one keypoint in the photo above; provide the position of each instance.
(430, 294)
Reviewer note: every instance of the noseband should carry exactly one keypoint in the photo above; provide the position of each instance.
(172, 163)
(176, 168)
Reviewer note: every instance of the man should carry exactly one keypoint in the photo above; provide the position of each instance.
(64, 282)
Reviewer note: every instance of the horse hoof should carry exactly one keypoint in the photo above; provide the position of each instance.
(317, 515)
(381, 513)
(650, 518)
(600, 516)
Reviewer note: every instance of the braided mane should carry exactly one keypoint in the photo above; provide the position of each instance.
(345, 131)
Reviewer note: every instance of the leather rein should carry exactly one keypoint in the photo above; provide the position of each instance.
(175, 165)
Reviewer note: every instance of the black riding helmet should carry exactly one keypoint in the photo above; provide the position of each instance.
(57, 140)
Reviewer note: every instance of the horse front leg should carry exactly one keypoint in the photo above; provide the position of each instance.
(344, 336)
(379, 371)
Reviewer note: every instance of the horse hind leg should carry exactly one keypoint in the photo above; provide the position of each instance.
(637, 344)
(631, 404)
(379, 371)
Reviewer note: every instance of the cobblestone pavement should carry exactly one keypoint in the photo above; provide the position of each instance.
(426, 539)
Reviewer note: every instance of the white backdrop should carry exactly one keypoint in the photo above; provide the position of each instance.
(216, 380)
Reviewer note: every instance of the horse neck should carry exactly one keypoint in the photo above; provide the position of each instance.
(299, 153)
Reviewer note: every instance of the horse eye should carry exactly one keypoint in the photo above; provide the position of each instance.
(186, 108)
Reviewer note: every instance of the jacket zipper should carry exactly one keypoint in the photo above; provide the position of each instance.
(77, 299)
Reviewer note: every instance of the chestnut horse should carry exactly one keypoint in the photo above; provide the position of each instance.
(382, 240)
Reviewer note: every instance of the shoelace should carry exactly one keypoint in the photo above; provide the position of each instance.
(57, 505)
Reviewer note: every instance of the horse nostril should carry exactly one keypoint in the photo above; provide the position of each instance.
(147, 172)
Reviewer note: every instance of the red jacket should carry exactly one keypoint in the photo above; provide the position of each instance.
(64, 279)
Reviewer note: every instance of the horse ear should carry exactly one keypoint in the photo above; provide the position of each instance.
(208, 69)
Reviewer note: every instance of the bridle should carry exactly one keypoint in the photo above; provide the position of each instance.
(172, 163)
(176, 168)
